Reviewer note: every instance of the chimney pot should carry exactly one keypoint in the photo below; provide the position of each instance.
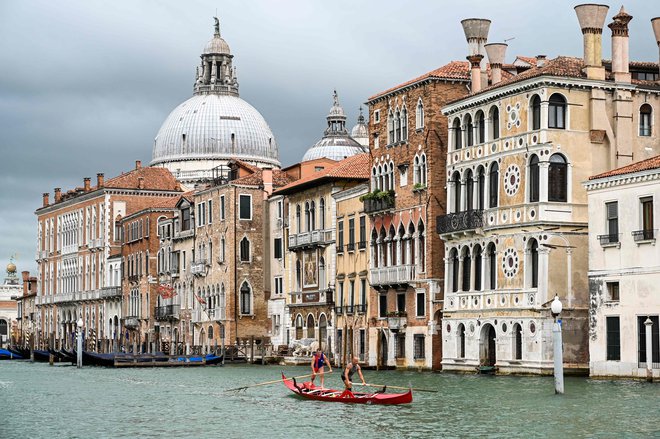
(45, 199)
(496, 55)
(620, 46)
(99, 180)
(655, 23)
(87, 185)
(476, 34)
(58, 194)
(540, 60)
(592, 18)
(138, 164)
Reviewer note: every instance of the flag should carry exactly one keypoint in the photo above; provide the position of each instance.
(200, 300)
(166, 291)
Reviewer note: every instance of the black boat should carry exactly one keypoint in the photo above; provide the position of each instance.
(25, 353)
(67, 356)
(41, 356)
(94, 359)
(8, 354)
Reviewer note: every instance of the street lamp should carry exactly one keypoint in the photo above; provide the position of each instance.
(556, 308)
(79, 325)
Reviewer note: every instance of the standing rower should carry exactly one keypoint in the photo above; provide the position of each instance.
(319, 360)
(347, 376)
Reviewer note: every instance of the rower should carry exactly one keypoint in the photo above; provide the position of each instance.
(319, 360)
(347, 376)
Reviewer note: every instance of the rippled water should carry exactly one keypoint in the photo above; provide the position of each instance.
(37, 400)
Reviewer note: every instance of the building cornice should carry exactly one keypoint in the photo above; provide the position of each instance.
(352, 192)
(417, 84)
(622, 180)
(101, 193)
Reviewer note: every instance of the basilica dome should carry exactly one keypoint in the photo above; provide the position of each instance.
(335, 144)
(215, 125)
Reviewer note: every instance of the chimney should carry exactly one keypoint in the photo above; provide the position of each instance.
(138, 164)
(620, 60)
(45, 199)
(475, 72)
(476, 34)
(58, 194)
(140, 182)
(99, 180)
(592, 18)
(655, 22)
(26, 282)
(267, 177)
(496, 55)
(87, 185)
(540, 60)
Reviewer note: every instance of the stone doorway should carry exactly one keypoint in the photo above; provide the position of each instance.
(487, 349)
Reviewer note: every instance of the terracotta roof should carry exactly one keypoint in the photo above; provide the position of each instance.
(280, 178)
(527, 59)
(452, 70)
(153, 178)
(166, 203)
(356, 167)
(644, 165)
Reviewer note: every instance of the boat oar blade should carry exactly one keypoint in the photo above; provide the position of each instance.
(266, 383)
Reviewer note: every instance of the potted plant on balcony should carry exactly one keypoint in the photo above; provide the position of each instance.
(418, 187)
(396, 319)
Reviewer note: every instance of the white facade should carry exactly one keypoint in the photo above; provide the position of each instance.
(624, 273)
(8, 307)
(277, 310)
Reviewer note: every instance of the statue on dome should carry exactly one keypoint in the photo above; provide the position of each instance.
(217, 25)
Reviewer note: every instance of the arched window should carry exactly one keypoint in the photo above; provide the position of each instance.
(481, 187)
(374, 179)
(535, 110)
(476, 255)
(322, 282)
(390, 128)
(421, 248)
(469, 190)
(494, 116)
(310, 326)
(492, 266)
(456, 130)
(457, 192)
(534, 179)
(299, 327)
(322, 214)
(453, 260)
(404, 124)
(397, 126)
(245, 250)
(461, 341)
(469, 130)
(465, 284)
(374, 249)
(298, 225)
(419, 115)
(481, 127)
(416, 171)
(645, 118)
(312, 215)
(246, 299)
(533, 261)
(493, 184)
(557, 112)
(386, 179)
(307, 220)
(323, 328)
(391, 170)
(422, 170)
(517, 347)
(557, 178)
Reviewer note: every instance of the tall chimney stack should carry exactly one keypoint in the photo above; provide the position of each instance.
(496, 55)
(99, 180)
(138, 164)
(86, 182)
(58, 194)
(592, 18)
(620, 59)
(45, 199)
(475, 72)
(267, 177)
(655, 22)
(476, 34)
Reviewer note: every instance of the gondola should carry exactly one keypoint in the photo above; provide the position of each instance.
(25, 353)
(309, 391)
(41, 355)
(7, 354)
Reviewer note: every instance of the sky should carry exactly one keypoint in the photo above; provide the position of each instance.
(85, 85)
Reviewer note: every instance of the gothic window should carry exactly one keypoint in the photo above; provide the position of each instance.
(493, 186)
(469, 130)
(476, 255)
(465, 285)
(453, 260)
(557, 178)
(397, 126)
(307, 220)
(534, 179)
(422, 169)
(456, 179)
(245, 250)
(481, 187)
(419, 115)
(557, 112)
(404, 124)
(322, 214)
(481, 127)
(494, 116)
(246, 299)
(298, 224)
(535, 110)
(469, 190)
(390, 128)
(456, 131)
(492, 266)
(312, 215)
(645, 118)
(533, 260)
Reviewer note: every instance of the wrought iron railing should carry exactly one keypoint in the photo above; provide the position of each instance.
(377, 205)
(167, 312)
(612, 238)
(644, 235)
(460, 221)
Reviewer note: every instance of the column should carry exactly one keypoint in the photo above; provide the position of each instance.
(543, 182)
(542, 291)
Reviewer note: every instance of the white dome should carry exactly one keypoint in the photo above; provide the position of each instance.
(215, 126)
(335, 148)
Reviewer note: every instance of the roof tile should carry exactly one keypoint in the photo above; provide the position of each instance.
(354, 167)
(644, 165)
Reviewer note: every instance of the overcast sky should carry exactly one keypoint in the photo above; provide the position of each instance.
(85, 85)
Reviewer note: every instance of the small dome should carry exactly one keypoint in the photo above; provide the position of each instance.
(11, 268)
(217, 46)
(360, 132)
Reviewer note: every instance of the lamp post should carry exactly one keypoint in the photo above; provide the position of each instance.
(79, 325)
(556, 308)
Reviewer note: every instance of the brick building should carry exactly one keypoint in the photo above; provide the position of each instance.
(26, 312)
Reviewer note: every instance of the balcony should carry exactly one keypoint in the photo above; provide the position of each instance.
(350, 247)
(198, 268)
(96, 243)
(167, 312)
(397, 322)
(398, 275)
(372, 206)
(644, 235)
(133, 278)
(183, 234)
(339, 310)
(348, 310)
(110, 293)
(42, 254)
(609, 240)
(315, 238)
(460, 222)
(361, 309)
(131, 322)
(208, 315)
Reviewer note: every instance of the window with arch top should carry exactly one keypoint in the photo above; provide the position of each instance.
(494, 116)
(390, 128)
(469, 130)
(493, 185)
(535, 110)
(534, 179)
(533, 260)
(558, 178)
(645, 118)
(245, 250)
(557, 112)
(481, 127)
(419, 115)
(456, 131)
(246, 298)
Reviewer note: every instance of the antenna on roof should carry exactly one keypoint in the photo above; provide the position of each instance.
(509, 39)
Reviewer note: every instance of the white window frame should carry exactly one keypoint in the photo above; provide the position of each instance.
(239, 207)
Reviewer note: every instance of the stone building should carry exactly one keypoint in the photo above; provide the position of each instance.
(26, 312)
(9, 290)
(408, 153)
(79, 255)
(624, 269)
(141, 293)
(312, 236)
(352, 274)
(515, 231)
(215, 125)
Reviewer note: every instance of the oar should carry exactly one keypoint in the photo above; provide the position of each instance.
(397, 387)
(268, 382)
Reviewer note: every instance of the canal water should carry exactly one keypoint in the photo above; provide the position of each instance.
(37, 400)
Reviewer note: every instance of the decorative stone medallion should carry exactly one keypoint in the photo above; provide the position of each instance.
(510, 262)
(512, 180)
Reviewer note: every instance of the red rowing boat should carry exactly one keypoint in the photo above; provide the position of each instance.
(310, 391)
